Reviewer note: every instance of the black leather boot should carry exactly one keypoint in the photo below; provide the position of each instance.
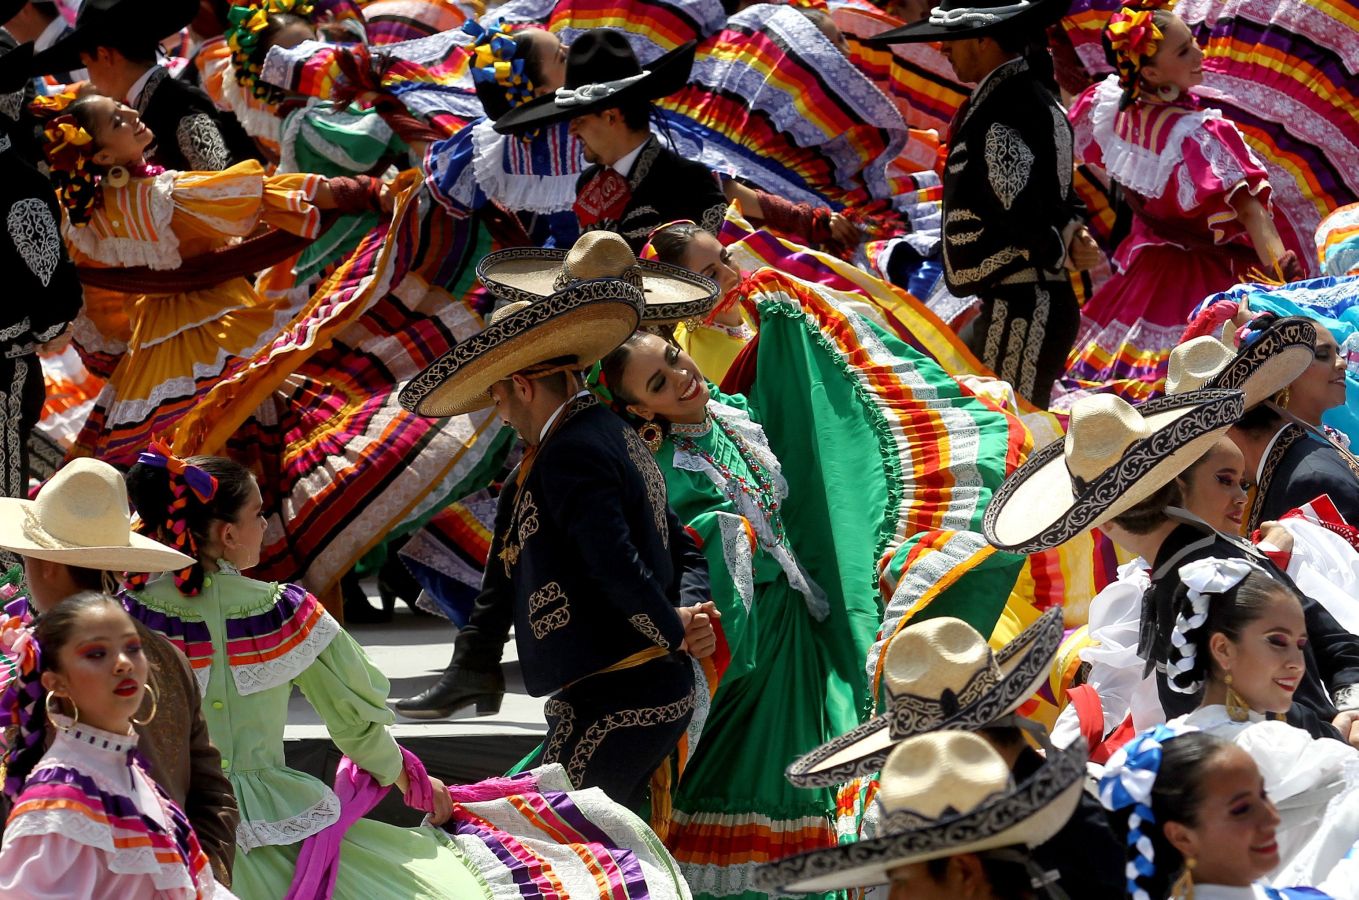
(456, 689)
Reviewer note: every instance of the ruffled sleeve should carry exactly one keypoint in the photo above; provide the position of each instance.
(1216, 164)
(350, 695)
(1083, 144)
(231, 203)
(51, 867)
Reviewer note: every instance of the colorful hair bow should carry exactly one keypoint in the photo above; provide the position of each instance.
(19, 706)
(597, 384)
(185, 479)
(203, 485)
(648, 251)
(495, 61)
(1133, 39)
(69, 150)
(245, 25)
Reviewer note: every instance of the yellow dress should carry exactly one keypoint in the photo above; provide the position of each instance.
(714, 347)
(180, 344)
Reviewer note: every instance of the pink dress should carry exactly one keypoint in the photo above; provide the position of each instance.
(91, 824)
(1179, 165)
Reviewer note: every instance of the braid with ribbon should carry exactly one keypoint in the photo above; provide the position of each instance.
(1203, 583)
(187, 483)
(1131, 38)
(246, 25)
(498, 68)
(69, 150)
(21, 703)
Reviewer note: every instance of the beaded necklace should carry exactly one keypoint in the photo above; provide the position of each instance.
(762, 491)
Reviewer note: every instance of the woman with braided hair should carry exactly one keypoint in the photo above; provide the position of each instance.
(1237, 639)
(1199, 820)
(86, 810)
(1200, 199)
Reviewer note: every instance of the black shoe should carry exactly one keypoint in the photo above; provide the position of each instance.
(456, 688)
(357, 609)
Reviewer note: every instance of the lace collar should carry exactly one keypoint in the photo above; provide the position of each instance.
(692, 429)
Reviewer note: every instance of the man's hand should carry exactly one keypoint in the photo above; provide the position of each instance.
(1347, 723)
(845, 232)
(1276, 535)
(1082, 253)
(700, 639)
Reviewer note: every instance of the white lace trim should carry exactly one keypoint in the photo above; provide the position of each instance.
(161, 254)
(527, 193)
(251, 835)
(123, 860)
(258, 123)
(737, 554)
(1138, 168)
(256, 677)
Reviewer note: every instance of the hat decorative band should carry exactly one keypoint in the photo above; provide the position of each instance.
(591, 93)
(631, 275)
(970, 16)
(33, 530)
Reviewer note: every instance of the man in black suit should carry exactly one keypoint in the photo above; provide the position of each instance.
(633, 184)
(116, 41)
(1293, 467)
(607, 592)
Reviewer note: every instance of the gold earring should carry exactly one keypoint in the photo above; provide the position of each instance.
(47, 705)
(652, 435)
(1183, 888)
(1281, 399)
(1237, 710)
(118, 176)
(151, 692)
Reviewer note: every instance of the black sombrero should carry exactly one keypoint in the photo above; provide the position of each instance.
(954, 19)
(108, 23)
(14, 69)
(602, 73)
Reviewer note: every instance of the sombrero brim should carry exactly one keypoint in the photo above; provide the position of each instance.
(14, 68)
(583, 322)
(1039, 507)
(1024, 665)
(665, 76)
(1028, 815)
(672, 294)
(1272, 362)
(1038, 14)
(132, 19)
(140, 554)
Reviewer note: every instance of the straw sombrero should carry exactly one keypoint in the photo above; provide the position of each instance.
(578, 324)
(1272, 360)
(940, 675)
(81, 518)
(941, 794)
(1114, 456)
(672, 294)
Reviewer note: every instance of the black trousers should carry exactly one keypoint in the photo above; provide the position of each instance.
(22, 393)
(612, 731)
(1025, 333)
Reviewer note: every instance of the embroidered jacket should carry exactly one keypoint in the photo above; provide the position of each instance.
(191, 135)
(593, 557)
(1009, 207)
(1297, 468)
(665, 187)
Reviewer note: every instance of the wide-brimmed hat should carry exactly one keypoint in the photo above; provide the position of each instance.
(108, 23)
(940, 674)
(82, 518)
(15, 64)
(571, 328)
(941, 794)
(1114, 456)
(954, 19)
(602, 72)
(1270, 361)
(672, 294)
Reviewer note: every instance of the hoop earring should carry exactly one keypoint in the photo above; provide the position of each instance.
(1183, 888)
(1237, 710)
(1281, 399)
(155, 704)
(118, 176)
(652, 434)
(1168, 93)
(47, 705)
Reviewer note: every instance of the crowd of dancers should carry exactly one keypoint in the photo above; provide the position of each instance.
(907, 444)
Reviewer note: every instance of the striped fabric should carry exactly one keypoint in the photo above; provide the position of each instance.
(191, 636)
(395, 21)
(652, 27)
(1338, 242)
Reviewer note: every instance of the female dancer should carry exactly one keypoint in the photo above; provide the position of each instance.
(88, 821)
(1200, 200)
(122, 212)
(1200, 822)
(250, 642)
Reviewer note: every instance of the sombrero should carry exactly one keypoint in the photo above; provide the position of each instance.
(940, 675)
(954, 19)
(602, 73)
(672, 294)
(1270, 360)
(109, 23)
(570, 328)
(941, 794)
(15, 64)
(1114, 456)
(82, 518)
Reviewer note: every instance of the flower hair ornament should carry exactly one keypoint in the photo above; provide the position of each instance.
(184, 479)
(494, 62)
(69, 150)
(1131, 39)
(1202, 579)
(1127, 783)
(245, 25)
(21, 713)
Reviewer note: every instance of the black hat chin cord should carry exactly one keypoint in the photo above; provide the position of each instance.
(1043, 882)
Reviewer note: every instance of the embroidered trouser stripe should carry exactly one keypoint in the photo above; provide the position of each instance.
(1024, 334)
